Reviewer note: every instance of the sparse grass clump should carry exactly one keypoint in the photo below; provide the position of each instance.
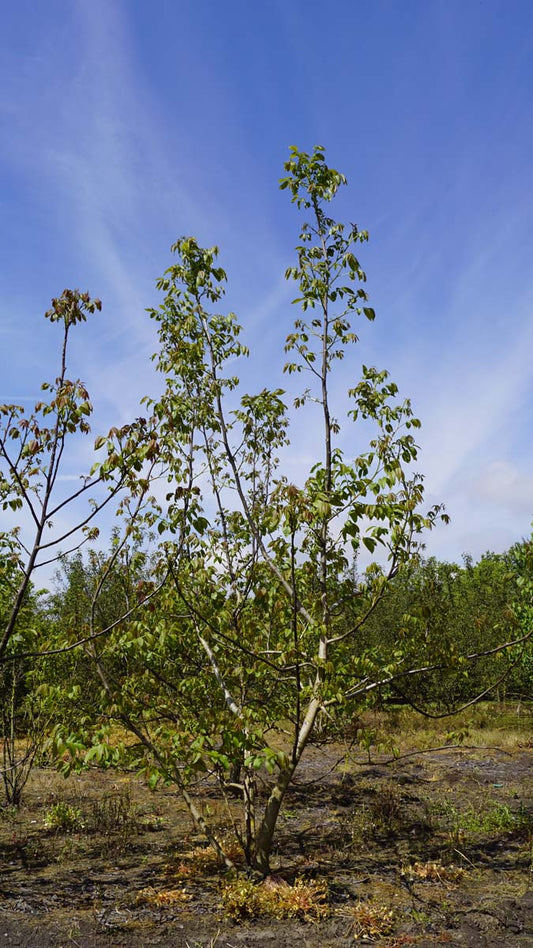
(307, 901)
(433, 872)
(204, 860)
(111, 813)
(104, 816)
(370, 921)
(382, 812)
(485, 819)
(64, 818)
(163, 898)
(8, 812)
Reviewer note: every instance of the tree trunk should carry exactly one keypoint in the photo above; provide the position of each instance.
(265, 835)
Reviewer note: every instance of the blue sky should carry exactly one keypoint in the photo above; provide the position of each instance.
(125, 124)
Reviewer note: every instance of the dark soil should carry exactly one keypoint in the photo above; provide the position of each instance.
(387, 836)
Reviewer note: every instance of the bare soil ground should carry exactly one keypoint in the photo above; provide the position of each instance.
(427, 850)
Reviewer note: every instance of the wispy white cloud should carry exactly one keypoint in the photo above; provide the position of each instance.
(501, 484)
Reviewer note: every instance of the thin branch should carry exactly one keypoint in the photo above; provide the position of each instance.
(475, 700)
(23, 490)
(86, 486)
(362, 688)
(88, 638)
(82, 523)
(444, 747)
(230, 702)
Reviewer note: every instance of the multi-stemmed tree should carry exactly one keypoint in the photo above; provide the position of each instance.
(250, 644)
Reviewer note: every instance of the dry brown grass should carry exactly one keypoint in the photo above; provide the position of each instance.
(163, 898)
(488, 724)
(433, 872)
(204, 860)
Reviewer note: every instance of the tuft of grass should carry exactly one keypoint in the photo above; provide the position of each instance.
(64, 818)
(8, 813)
(204, 860)
(387, 805)
(307, 901)
(163, 898)
(212, 943)
(369, 921)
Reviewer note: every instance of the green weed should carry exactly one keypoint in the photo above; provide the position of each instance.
(485, 820)
(64, 818)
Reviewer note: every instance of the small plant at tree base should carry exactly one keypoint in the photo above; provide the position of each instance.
(205, 860)
(242, 898)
